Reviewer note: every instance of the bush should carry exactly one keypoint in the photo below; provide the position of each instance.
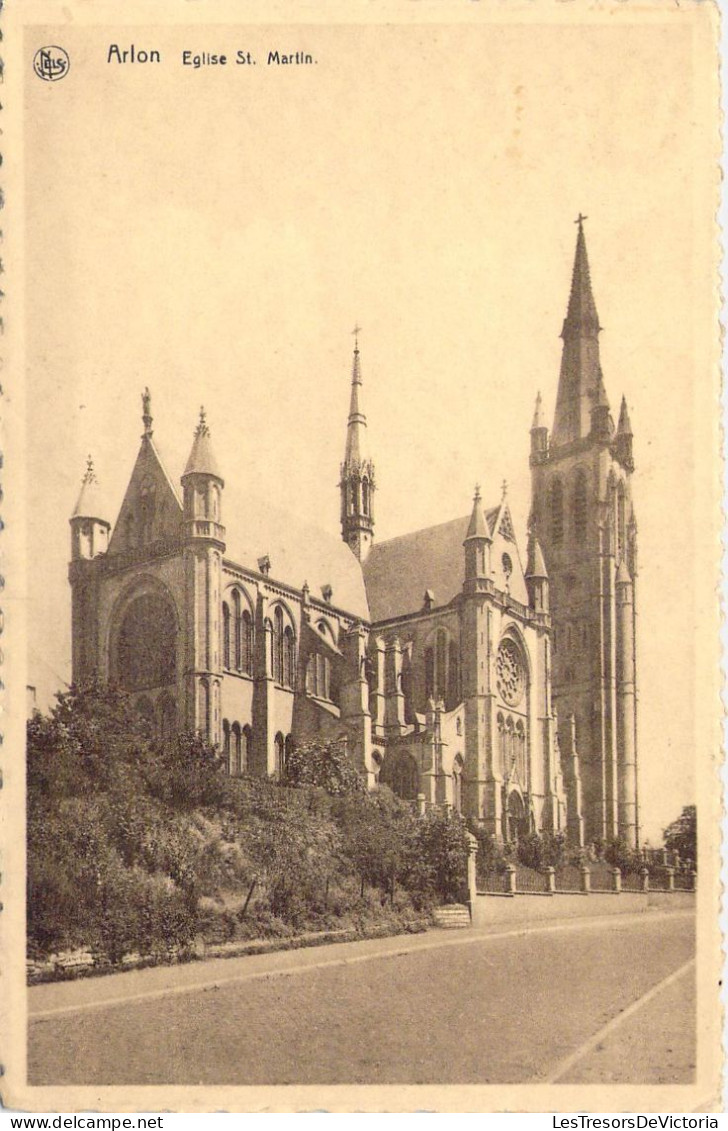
(542, 850)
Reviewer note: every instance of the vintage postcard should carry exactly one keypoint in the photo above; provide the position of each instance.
(361, 533)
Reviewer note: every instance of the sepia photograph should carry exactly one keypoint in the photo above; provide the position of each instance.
(362, 557)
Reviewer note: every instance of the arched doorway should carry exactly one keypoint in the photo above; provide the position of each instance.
(517, 823)
(399, 771)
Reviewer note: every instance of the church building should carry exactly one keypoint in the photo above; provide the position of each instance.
(459, 671)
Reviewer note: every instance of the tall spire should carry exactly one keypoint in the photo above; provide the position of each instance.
(580, 368)
(356, 428)
(581, 317)
(357, 470)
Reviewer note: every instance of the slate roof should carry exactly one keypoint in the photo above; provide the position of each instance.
(298, 551)
(397, 572)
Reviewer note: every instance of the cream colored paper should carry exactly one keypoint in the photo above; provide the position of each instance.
(215, 232)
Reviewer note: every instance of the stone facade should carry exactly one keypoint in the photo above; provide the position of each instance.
(437, 656)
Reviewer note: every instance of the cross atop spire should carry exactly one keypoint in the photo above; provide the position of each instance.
(202, 428)
(90, 474)
(580, 219)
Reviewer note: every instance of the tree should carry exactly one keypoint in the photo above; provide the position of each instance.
(682, 835)
(326, 765)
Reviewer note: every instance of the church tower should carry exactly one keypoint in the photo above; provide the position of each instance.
(584, 520)
(89, 540)
(357, 473)
(204, 546)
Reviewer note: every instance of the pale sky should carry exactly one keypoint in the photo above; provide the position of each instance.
(216, 233)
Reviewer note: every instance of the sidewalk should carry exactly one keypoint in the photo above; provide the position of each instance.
(162, 981)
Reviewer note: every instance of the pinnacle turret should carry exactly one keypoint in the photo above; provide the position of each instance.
(89, 528)
(357, 470)
(624, 428)
(90, 503)
(478, 527)
(202, 459)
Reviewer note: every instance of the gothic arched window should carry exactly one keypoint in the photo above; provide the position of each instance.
(580, 506)
(556, 512)
(246, 746)
(146, 644)
(278, 645)
(226, 635)
(289, 657)
(246, 643)
(237, 631)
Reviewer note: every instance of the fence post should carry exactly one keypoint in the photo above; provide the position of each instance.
(670, 873)
(421, 806)
(616, 880)
(510, 878)
(472, 882)
(585, 872)
(693, 880)
(550, 873)
(645, 875)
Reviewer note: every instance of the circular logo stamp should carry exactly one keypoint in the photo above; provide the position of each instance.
(51, 63)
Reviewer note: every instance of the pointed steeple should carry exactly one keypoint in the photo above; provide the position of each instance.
(89, 528)
(623, 441)
(477, 546)
(356, 431)
(537, 413)
(537, 578)
(580, 366)
(624, 428)
(536, 566)
(539, 434)
(581, 319)
(357, 471)
(90, 503)
(478, 526)
(202, 460)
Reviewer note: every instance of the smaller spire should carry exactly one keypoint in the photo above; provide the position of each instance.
(147, 413)
(202, 460)
(504, 490)
(623, 577)
(624, 428)
(90, 503)
(601, 400)
(478, 527)
(535, 566)
(537, 413)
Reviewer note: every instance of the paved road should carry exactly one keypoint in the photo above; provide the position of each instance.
(608, 1000)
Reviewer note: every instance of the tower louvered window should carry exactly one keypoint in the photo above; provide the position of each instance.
(556, 512)
(580, 507)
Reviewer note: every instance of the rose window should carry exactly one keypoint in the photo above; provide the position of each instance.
(510, 674)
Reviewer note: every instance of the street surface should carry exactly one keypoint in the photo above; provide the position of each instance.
(609, 1000)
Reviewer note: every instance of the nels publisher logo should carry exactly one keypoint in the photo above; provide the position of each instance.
(51, 63)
